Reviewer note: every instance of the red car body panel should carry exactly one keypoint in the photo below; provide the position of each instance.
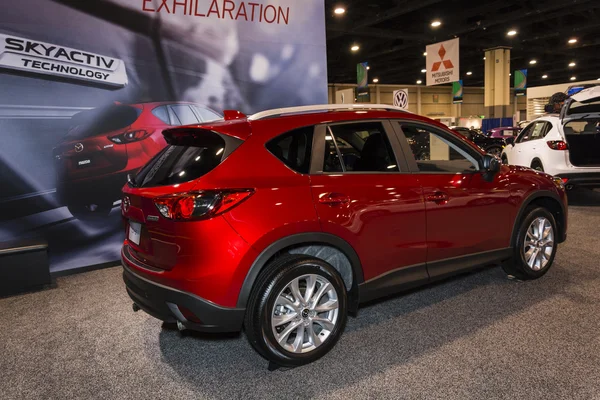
(390, 220)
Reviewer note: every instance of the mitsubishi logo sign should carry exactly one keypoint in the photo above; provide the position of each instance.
(442, 62)
(447, 63)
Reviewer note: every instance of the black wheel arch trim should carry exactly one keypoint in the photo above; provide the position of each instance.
(537, 160)
(528, 200)
(299, 239)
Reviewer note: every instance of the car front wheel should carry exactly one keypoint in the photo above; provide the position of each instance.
(534, 246)
(297, 310)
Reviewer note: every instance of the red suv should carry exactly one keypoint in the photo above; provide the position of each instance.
(105, 144)
(284, 222)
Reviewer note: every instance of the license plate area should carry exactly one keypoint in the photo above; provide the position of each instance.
(135, 232)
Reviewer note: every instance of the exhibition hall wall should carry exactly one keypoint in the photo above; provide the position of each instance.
(86, 88)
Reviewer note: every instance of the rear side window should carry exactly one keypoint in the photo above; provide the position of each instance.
(184, 114)
(186, 158)
(102, 120)
(162, 114)
(294, 148)
(206, 114)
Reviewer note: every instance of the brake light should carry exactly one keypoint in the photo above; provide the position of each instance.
(192, 206)
(131, 136)
(557, 145)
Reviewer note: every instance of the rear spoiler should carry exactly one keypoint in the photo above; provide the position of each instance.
(196, 136)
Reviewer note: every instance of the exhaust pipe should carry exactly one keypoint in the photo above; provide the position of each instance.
(135, 307)
(180, 326)
(569, 187)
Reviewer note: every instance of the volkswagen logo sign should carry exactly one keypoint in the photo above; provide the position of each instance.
(79, 147)
(126, 203)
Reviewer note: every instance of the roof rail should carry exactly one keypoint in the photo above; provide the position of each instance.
(279, 112)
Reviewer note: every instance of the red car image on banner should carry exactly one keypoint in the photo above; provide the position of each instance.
(104, 145)
(87, 87)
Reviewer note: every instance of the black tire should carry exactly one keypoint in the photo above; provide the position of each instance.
(90, 213)
(517, 265)
(275, 278)
(537, 165)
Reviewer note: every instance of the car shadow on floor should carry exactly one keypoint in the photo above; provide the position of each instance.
(384, 334)
(583, 197)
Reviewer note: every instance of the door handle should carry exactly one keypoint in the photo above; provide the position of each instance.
(438, 197)
(333, 199)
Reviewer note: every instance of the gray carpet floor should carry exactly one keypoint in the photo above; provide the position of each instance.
(478, 336)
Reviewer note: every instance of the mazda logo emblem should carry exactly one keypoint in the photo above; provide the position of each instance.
(79, 147)
(126, 203)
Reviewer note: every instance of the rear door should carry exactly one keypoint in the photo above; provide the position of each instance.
(529, 143)
(467, 215)
(364, 194)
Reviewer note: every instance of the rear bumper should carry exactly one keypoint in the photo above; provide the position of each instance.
(164, 303)
(590, 180)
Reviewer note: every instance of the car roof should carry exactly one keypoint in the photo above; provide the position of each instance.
(267, 125)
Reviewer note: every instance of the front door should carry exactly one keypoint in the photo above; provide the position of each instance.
(364, 194)
(468, 214)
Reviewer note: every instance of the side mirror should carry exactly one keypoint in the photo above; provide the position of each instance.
(491, 164)
(510, 140)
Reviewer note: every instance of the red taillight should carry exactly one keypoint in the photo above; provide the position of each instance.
(131, 136)
(191, 206)
(557, 145)
(565, 180)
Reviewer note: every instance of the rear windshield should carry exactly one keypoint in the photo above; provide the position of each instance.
(582, 108)
(102, 120)
(186, 159)
(582, 127)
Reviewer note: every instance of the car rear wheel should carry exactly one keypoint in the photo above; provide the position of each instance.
(534, 246)
(297, 310)
(537, 166)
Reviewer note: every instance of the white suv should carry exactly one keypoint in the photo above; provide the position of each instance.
(565, 145)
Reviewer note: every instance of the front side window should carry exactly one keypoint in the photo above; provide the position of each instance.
(294, 148)
(435, 152)
(358, 147)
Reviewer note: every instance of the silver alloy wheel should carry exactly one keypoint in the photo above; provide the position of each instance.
(305, 313)
(539, 243)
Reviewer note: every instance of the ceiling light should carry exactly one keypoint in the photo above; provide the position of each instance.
(469, 73)
(511, 33)
(572, 40)
(368, 68)
(533, 62)
(419, 82)
(509, 74)
(425, 53)
(544, 76)
(484, 58)
(573, 78)
(572, 64)
(354, 48)
(339, 10)
(375, 80)
(436, 23)
(423, 70)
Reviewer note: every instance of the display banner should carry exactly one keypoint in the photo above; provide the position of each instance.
(520, 82)
(362, 79)
(457, 91)
(442, 62)
(401, 98)
(87, 88)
